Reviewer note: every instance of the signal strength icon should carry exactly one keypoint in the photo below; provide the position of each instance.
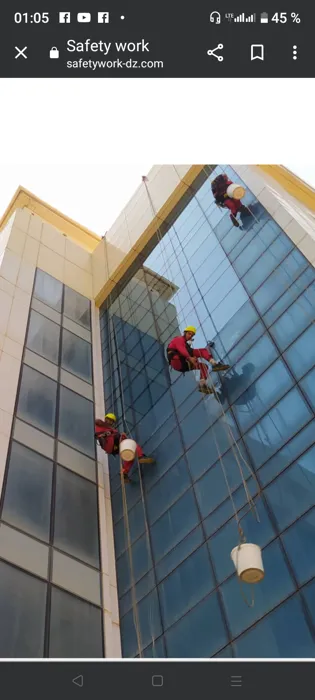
(242, 18)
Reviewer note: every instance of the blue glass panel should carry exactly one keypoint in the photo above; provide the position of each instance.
(48, 290)
(180, 552)
(255, 249)
(172, 527)
(156, 417)
(141, 564)
(299, 541)
(268, 593)
(269, 388)
(301, 355)
(200, 633)
(166, 454)
(244, 344)
(266, 263)
(226, 653)
(223, 542)
(293, 492)
(226, 511)
(279, 281)
(287, 454)
(139, 591)
(289, 296)
(155, 650)
(309, 595)
(232, 303)
(270, 638)
(252, 364)
(160, 435)
(167, 490)
(149, 622)
(238, 325)
(204, 415)
(291, 324)
(220, 289)
(282, 422)
(211, 489)
(184, 588)
(204, 452)
(308, 386)
(136, 523)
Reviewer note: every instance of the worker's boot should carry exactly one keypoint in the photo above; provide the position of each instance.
(220, 367)
(146, 460)
(234, 220)
(205, 389)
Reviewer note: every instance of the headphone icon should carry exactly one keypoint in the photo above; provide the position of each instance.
(215, 17)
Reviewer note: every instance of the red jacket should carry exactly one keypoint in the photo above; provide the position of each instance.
(180, 344)
(102, 426)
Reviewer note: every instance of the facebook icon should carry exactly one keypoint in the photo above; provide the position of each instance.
(103, 17)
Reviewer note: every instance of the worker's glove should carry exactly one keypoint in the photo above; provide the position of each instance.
(192, 361)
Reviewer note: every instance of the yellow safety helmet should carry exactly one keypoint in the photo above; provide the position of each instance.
(190, 329)
(111, 416)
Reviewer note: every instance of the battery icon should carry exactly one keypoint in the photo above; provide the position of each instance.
(264, 18)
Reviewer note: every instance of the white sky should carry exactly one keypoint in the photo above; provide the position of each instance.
(92, 195)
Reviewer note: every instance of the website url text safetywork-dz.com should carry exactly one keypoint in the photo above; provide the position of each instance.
(107, 47)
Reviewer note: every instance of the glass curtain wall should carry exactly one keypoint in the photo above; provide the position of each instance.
(252, 292)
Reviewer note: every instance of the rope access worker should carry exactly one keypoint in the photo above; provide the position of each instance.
(183, 358)
(109, 437)
(219, 190)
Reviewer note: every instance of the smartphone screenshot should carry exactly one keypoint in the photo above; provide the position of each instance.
(157, 349)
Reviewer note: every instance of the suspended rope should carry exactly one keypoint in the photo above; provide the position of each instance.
(235, 448)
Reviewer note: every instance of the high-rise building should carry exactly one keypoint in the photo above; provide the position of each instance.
(91, 566)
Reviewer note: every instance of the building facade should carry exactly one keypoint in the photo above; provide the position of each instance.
(90, 566)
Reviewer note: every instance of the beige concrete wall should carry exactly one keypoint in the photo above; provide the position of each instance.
(295, 219)
(26, 243)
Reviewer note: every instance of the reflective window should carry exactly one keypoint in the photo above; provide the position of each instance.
(289, 295)
(75, 628)
(27, 500)
(77, 307)
(149, 623)
(76, 356)
(179, 553)
(254, 249)
(43, 337)
(252, 364)
(200, 633)
(267, 262)
(141, 564)
(270, 387)
(211, 489)
(270, 591)
(308, 386)
(48, 290)
(204, 452)
(76, 421)
(260, 532)
(37, 400)
(237, 326)
(174, 525)
(301, 355)
(293, 492)
(22, 613)
(136, 527)
(76, 522)
(278, 282)
(299, 541)
(308, 593)
(167, 490)
(270, 638)
(166, 454)
(287, 454)
(291, 324)
(226, 510)
(282, 422)
(184, 588)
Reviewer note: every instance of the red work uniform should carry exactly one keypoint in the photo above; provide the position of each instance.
(179, 351)
(219, 192)
(110, 441)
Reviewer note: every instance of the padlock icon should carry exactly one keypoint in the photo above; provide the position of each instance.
(54, 53)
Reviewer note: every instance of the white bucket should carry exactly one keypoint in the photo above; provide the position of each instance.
(248, 562)
(235, 191)
(127, 450)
